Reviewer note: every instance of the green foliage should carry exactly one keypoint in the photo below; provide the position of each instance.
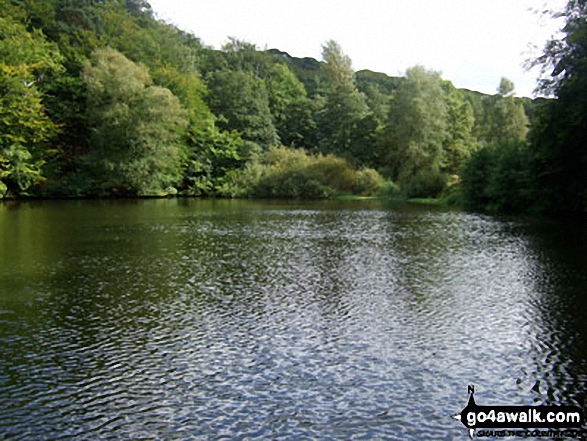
(77, 27)
(453, 195)
(292, 173)
(307, 70)
(561, 128)
(500, 118)
(285, 173)
(142, 39)
(428, 133)
(166, 112)
(338, 68)
(378, 89)
(384, 84)
(39, 13)
(240, 55)
(25, 129)
(390, 191)
(506, 87)
(563, 60)
(368, 182)
(242, 103)
(290, 107)
(498, 178)
(416, 127)
(334, 172)
(549, 175)
(19, 170)
(459, 142)
(509, 122)
(191, 91)
(343, 108)
(425, 183)
(135, 128)
(138, 8)
(212, 157)
(364, 148)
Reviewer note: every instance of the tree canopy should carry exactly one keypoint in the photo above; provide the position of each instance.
(27, 59)
(101, 98)
(135, 127)
(547, 172)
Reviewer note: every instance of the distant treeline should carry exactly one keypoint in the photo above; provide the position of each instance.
(99, 98)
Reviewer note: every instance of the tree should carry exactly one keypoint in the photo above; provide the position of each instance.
(26, 59)
(499, 178)
(290, 106)
(557, 139)
(416, 126)
(459, 142)
(344, 106)
(212, 156)
(143, 39)
(338, 69)
(549, 173)
(241, 101)
(139, 8)
(136, 127)
(377, 100)
(506, 87)
(509, 122)
(77, 26)
(240, 55)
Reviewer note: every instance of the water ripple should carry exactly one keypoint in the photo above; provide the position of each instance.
(284, 323)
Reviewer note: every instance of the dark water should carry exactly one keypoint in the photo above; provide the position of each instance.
(235, 320)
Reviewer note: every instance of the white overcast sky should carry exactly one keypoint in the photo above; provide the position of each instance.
(473, 43)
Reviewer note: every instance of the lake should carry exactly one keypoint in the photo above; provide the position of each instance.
(186, 319)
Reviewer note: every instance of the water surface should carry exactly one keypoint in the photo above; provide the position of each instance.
(240, 320)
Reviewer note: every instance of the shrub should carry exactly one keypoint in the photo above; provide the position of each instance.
(390, 190)
(368, 182)
(333, 171)
(293, 173)
(425, 184)
(453, 195)
(498, 178)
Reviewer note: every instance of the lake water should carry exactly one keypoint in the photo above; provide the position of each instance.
(240, 320)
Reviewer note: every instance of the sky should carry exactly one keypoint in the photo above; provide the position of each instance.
(472, 43)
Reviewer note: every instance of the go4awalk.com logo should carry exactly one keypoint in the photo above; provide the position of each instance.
(523, 421)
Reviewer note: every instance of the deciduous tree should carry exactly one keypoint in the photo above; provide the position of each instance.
(417, 126)
(241, 102)
(459, 142)
(136, 127)
(25, 129)
(558, 139)
(343, 107)
(290, 106)
(509, 122)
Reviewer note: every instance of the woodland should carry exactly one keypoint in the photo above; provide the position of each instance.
(103, 99)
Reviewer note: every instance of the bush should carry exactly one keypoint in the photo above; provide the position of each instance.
(498, 178)
(334, 172)
(453, 195)
(294, 184)
(390, 190)
(368, 182)
(292, 173)
(425, 184)
(231, 185)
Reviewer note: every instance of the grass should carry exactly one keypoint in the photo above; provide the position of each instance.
(428, 201)
(353, 197)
